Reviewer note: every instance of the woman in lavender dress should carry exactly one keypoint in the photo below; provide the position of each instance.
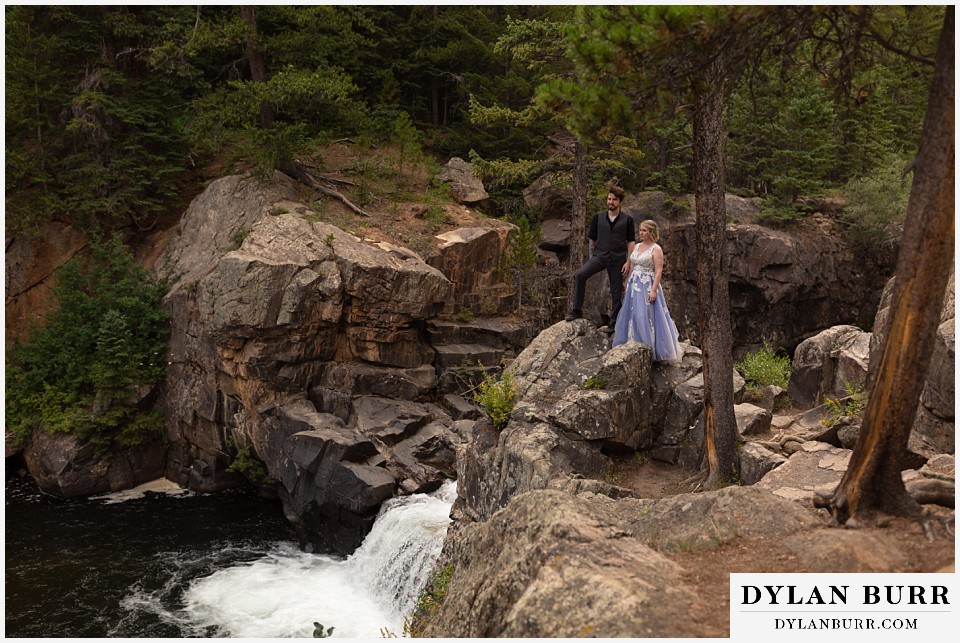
(644, 317)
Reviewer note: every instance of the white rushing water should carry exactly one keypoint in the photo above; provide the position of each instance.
(283, 591)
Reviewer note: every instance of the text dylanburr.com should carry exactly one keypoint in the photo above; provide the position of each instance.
(847, 607)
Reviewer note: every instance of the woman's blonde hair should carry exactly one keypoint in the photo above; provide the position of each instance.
(652, 228)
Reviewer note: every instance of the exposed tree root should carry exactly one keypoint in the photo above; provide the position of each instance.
(696, 481)
(876, 513)
(931, 491)
(931, 521)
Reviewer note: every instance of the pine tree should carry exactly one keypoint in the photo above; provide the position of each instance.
(90, 134)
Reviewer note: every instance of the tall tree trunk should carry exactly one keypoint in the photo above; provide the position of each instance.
(38, 109)
(716, 337)
(258, 67)
(578, 215)
(872, 482)
(434, 79)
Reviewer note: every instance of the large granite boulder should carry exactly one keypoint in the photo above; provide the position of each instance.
(471, 259)
(494, 466)
(465, 186)
(568, 376)
(578, 401)
(565, 564)
(935, 420)
(693, 521)
(65, 466)
(553, 565)
(828, 365)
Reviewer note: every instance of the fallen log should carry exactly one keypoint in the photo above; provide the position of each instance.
(299, 172)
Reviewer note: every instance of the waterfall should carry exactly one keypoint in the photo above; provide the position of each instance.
(401, 549)
(282, 591)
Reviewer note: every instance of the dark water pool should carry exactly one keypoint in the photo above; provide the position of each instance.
(72, 565)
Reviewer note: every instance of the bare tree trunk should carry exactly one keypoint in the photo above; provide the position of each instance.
(37, 108)
(872, 482)
(434, 101)
(716, 335)
(578, 215)
(434, 80)
(258, 67)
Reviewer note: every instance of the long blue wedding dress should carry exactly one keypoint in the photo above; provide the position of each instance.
(641, 321)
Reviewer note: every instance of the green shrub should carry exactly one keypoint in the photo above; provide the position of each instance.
(247, 465)
(84, 370)
(596, 382)
(613, 474)
(521, 250)
(435, 215)
(763, 367)
(237, 239)
(852, 404)
(778, 215)
(874, 203)
(519, 261)
(497, 397)
(429, 601)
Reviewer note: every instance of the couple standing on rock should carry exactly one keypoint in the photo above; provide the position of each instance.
(640, 314)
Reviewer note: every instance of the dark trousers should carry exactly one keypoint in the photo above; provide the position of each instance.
(593, 266)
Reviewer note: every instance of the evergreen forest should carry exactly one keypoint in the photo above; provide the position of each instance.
(114, 112)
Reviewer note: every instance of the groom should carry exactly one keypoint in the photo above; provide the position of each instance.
(613, 235)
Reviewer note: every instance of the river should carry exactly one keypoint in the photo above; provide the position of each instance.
(165, 562)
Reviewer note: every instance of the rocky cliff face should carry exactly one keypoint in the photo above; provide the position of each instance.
(784, 287)
(300, 346)
(301, 358)
(30, 264)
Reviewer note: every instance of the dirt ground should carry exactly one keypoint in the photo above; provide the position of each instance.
(403, 208)
(709, 571)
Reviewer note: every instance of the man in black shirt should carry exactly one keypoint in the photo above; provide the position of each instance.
(614, 235)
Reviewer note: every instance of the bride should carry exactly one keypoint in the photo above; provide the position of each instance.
(644, 317)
